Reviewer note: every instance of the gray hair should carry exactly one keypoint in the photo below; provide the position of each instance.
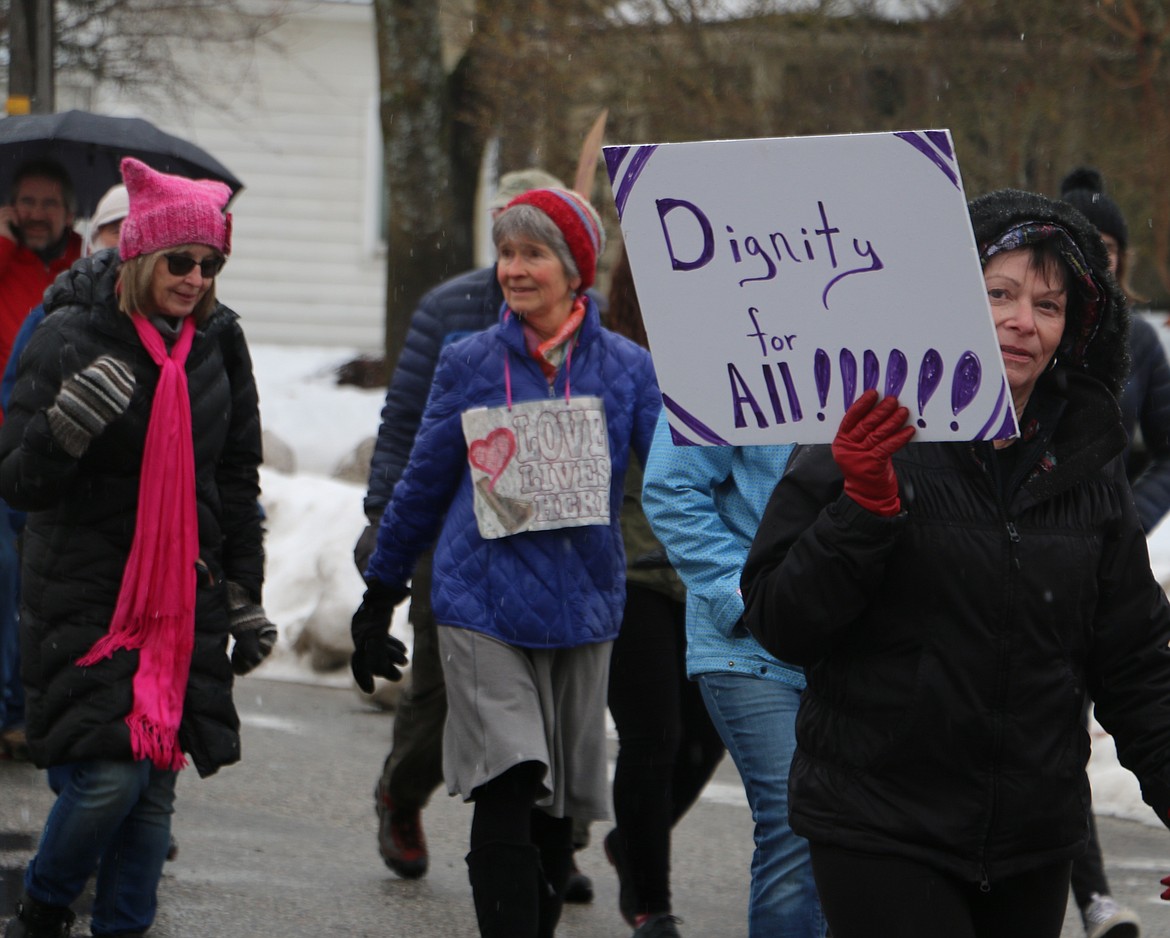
(528, 223)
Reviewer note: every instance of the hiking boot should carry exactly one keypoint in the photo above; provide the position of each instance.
(400, 837)
(658, 926)
(38, 920)
(579, 888)
(1104, 918)
(615, 852)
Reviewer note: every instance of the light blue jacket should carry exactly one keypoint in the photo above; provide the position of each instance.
(705, 503)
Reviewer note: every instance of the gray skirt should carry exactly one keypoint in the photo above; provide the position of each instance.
(507, 705)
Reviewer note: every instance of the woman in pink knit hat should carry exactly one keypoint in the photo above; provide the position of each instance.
(132, 438)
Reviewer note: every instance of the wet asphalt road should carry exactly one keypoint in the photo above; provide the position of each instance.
(282, 845)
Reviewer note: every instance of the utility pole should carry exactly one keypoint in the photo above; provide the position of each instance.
(30, 65)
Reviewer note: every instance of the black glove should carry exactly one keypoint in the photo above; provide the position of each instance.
(250, 627)
(88, 402)
(375, 650)
(363, 550)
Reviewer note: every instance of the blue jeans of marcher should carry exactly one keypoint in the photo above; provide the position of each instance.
(112, 817)
(756, 718)
(11, 690)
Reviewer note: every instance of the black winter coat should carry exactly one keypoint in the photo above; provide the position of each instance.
(454, 309)
(949, 650)
(82, 516)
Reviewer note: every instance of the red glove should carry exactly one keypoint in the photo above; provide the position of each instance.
(1166, 892)
(870, 433)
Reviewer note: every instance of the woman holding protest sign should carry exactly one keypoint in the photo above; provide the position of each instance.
(518, 469)
(954, 603)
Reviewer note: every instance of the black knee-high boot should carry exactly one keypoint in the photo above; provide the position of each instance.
(506, 884)
(556, 865)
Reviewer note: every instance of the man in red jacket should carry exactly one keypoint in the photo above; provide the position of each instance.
(37, 242)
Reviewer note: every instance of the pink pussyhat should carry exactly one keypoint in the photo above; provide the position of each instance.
(167, 211)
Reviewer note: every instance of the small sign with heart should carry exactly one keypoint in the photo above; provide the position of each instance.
(539, 465)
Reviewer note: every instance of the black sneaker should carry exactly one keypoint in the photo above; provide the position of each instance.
(658, 926)
(579, 888)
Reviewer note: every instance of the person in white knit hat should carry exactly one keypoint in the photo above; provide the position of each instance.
(106, 224)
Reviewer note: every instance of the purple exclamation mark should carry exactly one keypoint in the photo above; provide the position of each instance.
(929, 377)
(965, 384)
(848, 377)
(822, 374)
(870, 370)
(896, 372)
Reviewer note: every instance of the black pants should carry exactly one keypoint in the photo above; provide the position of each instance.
(869, 896)
(1088, 871)
(667, 745)
(414, 767)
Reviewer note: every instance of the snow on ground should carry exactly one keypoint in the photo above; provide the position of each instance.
(312, 587)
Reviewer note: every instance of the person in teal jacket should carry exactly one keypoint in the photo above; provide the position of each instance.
(704, 504)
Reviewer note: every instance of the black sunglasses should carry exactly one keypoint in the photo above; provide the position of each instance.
(180, 265)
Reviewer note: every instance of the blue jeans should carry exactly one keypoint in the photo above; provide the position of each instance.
(756, 717)
(112, 817)
(11, 690)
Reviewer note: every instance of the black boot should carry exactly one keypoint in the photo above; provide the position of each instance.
(505, 883)
(38, 920)
(556, 865)
(553, 836)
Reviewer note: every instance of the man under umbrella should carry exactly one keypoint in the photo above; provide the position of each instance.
(37, 242)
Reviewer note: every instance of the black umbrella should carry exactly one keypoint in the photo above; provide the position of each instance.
(91, 147)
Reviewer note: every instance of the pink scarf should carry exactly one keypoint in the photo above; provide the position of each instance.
(156, 603)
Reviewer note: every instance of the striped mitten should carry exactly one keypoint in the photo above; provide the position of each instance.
(88, 402)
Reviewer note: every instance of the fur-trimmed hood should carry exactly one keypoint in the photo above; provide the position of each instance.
(1100, 348)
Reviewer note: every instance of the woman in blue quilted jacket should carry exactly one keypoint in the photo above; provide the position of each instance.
(518, 470)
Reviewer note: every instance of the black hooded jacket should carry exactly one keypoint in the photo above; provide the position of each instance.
(949, 650)
(82, 517)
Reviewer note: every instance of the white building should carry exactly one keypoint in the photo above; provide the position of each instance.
(295, 118)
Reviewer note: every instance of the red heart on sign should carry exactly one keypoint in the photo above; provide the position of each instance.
(493, 453)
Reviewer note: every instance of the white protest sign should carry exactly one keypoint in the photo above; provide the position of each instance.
(780, 277)
(539, 465)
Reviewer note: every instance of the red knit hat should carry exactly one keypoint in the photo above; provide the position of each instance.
(166, 211)
(577, 220)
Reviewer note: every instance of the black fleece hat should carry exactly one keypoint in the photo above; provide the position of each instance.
(1085, 189)
(1096, 328)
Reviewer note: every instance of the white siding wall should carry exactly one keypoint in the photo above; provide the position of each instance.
(307, 266)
